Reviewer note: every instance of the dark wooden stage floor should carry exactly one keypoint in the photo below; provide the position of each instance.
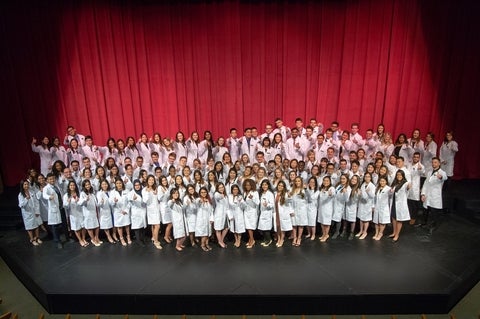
(419, 274)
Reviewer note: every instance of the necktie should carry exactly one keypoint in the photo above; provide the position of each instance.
(60, 202)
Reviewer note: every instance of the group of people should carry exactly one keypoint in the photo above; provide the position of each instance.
(279, 184)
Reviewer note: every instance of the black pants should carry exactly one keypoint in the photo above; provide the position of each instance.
(414, 207)
(434, 218)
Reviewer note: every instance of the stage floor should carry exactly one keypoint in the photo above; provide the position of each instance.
(418, 274)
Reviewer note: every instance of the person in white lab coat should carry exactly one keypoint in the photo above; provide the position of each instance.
(431, 194)
(381, 210)
(192, 148)
(235, 213)
(189, 203)
(121, 209)
(312, 195)
(45, 154)
(429, 151)
(150, 198)
(417, 170)
(295, 147)
(58, 151)
(204, 221)
(341, 197)
(448, 150)
(365, 205)
(73, 135)
(250, 211)
(29, 205)
(205, 147)
(138, 212)
(326, 207)
(88, 201)
(282, 217)
(265, 221)
(248, 144)
(56, 214)
(105, 212)
(399, 206)
(74, 211)
(220, 223)
(175, 205)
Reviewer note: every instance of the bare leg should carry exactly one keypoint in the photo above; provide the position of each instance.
(168, 233)
(109, 237)
(251, 241)
(120, 234)
(399, 228)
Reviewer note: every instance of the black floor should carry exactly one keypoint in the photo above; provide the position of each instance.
(419, 274)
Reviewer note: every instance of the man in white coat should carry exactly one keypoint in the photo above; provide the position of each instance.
(432, 195)
(56, 213)
(416, 171)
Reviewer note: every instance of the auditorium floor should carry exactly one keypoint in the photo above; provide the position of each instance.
(418, 266)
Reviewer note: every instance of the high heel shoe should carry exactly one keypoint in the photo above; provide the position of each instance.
(122, 240)
(251, 245)
(204, 248)
(129, 240)
(38, 240)
(157, 245)
(168, 240)
(34, 242)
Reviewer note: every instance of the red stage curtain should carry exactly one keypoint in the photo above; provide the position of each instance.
(118, 69)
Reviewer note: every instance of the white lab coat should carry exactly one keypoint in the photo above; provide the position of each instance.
(163, 196)
(381, 212)
(250, 151)
(138, 210)
(312, 206)
(74, 212)
(104, 210)
(432, 189)
(416, 171)
(59, 154)
(152, 206)
(30, 211)
(294, 152)
(339, 203)
(89, 209)
(192, 152)
(299, 208)
(178, 219)
(401, 205)
(233, 145)
(351, 205)
(447, 156)
(283, 213)
(204, 217)
(366, 202)
(190, 213)
(180, 150)
(326, 199)
(43, 206)
(267, 203)
(45, 158)
(220, 213)
(54, 217)
(121, 208)
(250, 210)
(429, 152)
(235, 213)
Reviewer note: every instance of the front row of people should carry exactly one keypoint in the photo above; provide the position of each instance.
(192, 213)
